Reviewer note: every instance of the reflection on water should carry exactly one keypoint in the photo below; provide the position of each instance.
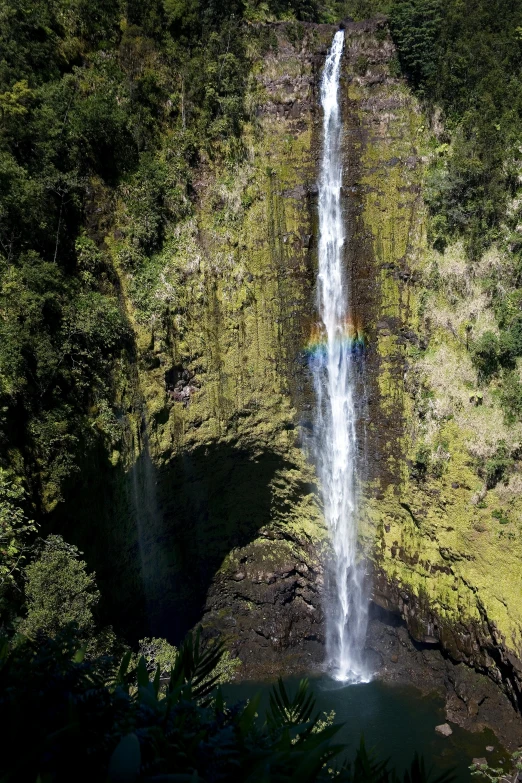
(396, 721)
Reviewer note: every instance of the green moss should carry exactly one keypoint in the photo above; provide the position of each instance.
(434, 533)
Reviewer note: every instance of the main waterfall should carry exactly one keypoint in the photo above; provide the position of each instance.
(333, 365)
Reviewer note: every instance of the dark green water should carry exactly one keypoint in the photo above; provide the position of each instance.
(395, 720)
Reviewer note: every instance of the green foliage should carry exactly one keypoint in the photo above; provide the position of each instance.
(115, 723)
(499, 515)
(59, 591)
(106, 111)
(491, 352)
(15, 532)
(101, 104)
(511, 397)
(498, 774)
(495, 356)
(290, 10)
(485, 355)
(362, 9)
(497, 467)
(183, 13)
(467, 59)
(367, 767)
(422, 462)
(415, 26)
(227, 668)
(57, 343)
(292, 712)
(158, 653)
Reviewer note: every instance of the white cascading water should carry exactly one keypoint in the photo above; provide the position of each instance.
(333, 365)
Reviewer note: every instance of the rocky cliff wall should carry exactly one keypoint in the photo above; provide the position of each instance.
(209, 508)
(445, 541)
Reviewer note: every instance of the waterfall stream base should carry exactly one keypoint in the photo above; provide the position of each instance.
(470, 700)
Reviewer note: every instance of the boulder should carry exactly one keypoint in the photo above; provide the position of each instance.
(444, 729)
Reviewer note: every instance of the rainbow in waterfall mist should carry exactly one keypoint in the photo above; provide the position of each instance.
(351, 336)
(332, 354)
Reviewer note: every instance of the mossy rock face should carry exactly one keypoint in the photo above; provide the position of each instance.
(446, 548)
(231, 475)
(213, 468)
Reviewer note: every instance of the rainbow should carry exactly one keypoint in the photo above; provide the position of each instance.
(352, 339)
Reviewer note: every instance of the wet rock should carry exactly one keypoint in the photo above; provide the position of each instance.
(478, 645)
(473, 701)
(180, 384)
(278, 610)
(444, 729)
(480, 762)
(489, 748)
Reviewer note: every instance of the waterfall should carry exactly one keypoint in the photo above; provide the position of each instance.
(148, 520)
(334, 368)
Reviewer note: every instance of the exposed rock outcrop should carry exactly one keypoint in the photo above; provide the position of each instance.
(473, 700)
(267, 601)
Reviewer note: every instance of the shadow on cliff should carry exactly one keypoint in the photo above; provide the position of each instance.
(156, 538)
(211, 500)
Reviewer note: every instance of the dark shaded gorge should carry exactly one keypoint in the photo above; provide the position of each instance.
(158, 537)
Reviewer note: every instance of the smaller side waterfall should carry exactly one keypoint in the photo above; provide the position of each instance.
(148, 520)
(335, 438)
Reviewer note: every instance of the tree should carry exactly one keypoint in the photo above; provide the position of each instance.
(15, 529)
(415, 25)
(158, 652)
(59, 591)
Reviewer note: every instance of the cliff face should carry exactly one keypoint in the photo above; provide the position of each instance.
(444, 535)
(239, 522)
(442, 525)
(210, 511)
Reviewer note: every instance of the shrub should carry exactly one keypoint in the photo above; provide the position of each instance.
(422, 462)
(158, 653)
(15, 532)
(485, 355)
(511, 397)
(497, 467)
(59, 591)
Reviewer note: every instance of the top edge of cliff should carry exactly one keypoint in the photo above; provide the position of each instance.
(347, 23)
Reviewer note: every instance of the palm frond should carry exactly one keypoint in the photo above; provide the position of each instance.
(417, 773)
(285, 712)
(195, 668)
